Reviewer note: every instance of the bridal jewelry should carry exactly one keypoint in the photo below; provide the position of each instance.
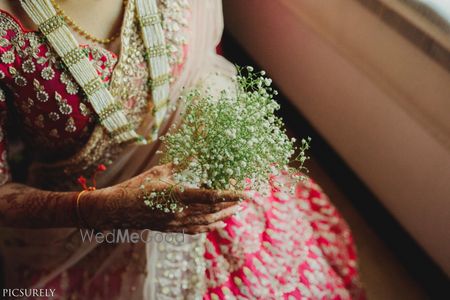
(81, 222)
(113, 117)
(77, 28)
(84, 184)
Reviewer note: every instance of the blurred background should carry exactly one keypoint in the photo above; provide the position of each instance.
(369, 81)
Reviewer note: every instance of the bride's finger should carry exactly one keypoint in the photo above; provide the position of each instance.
(206, 219)
(202, 209)
(206, 196)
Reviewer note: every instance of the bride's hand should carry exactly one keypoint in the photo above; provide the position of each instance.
(122, 206)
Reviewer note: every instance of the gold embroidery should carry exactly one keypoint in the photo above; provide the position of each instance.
(8, 57)
(28, 66)
(70, 125)
(71, 87)
(47, 73)
(84, 110)
(53, 116)
(63, 106)
(128, 83)
(18, 79)
(41, 94)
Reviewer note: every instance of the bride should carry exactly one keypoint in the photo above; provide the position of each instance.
(86, 84)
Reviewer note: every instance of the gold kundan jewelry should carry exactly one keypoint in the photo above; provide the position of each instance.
(78, 29)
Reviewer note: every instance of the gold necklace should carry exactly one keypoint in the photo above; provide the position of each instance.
(78, 29)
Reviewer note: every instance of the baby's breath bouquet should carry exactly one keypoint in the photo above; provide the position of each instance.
(233, 141)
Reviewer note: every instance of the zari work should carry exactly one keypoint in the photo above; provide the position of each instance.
(56, 105)
(112, 116)
(280, 246)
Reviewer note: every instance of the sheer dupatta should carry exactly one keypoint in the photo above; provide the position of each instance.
(203, 67)
(59, 258)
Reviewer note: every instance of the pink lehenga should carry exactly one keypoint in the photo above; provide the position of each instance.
(281, 246)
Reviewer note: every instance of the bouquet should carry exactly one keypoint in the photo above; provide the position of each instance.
(233, 141)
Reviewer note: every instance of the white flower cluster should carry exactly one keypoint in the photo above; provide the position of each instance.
(231, 142)
(162, 200)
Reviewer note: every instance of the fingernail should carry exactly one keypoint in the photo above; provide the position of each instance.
(222, 224)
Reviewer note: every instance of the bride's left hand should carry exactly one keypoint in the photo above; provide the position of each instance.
(122, 205)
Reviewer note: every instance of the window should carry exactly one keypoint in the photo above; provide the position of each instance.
(436, 11)
(426, 23)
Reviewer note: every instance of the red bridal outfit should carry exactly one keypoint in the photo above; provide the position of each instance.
(281, 246)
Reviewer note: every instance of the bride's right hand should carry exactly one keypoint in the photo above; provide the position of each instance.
(122, 206)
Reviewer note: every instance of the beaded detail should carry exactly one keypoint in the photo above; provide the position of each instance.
(180, 269)
(71, 87)
(73, 57)
(43, 13)
(128, 83)
(112, 108)
(159, 81)
(41, 94)
(175, 16)
(44, 94)
(93, 86)
(52, 24)
(28, 66)
(150, 20)
(156, 51)
(154, 40)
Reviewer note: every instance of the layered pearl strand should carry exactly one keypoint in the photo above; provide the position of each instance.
(111, 114)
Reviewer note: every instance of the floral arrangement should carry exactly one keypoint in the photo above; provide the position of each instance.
(233, 141)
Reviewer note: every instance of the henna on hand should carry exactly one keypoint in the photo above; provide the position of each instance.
(27, 207)
(122, 206)
(119, 206)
